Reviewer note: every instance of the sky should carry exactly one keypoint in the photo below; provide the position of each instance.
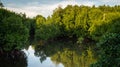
(45, 7)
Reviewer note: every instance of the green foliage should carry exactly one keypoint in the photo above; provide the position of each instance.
(47, 31)
(110, 24)
(80, 40)
(39, 20)
(13, 34)
(83, 21)
(109, 47)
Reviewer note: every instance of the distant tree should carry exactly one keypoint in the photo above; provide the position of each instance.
(1, 4)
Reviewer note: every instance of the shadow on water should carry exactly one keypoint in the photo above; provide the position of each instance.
(69, 53)
(14, 58)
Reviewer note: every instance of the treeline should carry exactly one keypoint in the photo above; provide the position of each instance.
(86, 24)
(14, 30)
(81, 22)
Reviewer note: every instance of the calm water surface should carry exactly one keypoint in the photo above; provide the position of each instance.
(34, 61)
(57, 54)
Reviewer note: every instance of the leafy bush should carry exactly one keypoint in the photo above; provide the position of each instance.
(109, 51)
(13, 33)
(45, 32)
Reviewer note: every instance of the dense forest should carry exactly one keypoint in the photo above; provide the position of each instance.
(99, 26)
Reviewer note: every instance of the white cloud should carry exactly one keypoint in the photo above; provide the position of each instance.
(110, 1)
(33, 9)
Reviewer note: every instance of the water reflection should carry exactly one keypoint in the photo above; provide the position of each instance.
(69, 54)
(51, 54)
(70, 58)
(13, 59)
(34, 61)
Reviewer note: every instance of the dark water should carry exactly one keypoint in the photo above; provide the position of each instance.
(58, 54)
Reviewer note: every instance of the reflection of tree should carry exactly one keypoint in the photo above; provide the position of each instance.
(71, 58)
(68, 54)
(45, 51)
(13, 59)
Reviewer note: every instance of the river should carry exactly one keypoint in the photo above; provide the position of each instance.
(55, 54)
(34, 61)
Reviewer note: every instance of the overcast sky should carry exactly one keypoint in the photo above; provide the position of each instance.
(45, 7)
